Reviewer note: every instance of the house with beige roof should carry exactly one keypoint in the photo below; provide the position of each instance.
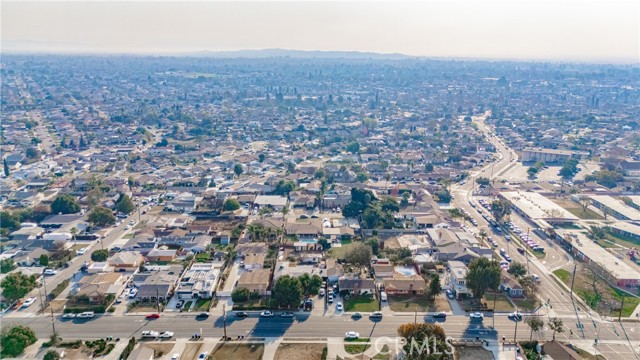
(256, 281)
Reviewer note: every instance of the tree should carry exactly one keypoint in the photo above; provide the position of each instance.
(532, 171)
(15, 340)
(240, 294)
(389, 204)
(443, 196)
(6, 265)
(500, 209)
(125, 204)
(517, 269)
(101, 216)
(358, 254)
(351, 210)
(585, 201)
(231, 205)
(362, 177)
(320, 173)
(483, 274)
(535, 323)
(310, 284)
(238, 170)
(375, 245)
(284, 187)
(353, 147)
(422, 338)
(435, 287)
(100, 255)
(6, 167)
(32, 153)
(556, 325)
(65, 204)
(597, 233)
(16, 285)
(52, 355)
(261, 158)
(428, 167)
(483, 181)
(287, 292)
(44, 260)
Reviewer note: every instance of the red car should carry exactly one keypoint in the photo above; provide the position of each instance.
(153, 316)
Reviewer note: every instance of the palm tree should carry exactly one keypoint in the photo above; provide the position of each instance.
(535, 323)
(556, 325)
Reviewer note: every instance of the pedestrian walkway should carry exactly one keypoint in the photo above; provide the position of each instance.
(270, 347)
(117, 350)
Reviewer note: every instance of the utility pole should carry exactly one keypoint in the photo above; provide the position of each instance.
(158, 300)
(515, 332)
(621, 306)
(53, 324)
(573, 278)
(224, 320)
(415, 315)
(526, 255)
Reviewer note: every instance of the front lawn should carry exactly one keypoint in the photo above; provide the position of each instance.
(356, 346)
(420, 303)
(251, 304)
(203, 304)
(361, 303)
(563, 275)
(502, 302)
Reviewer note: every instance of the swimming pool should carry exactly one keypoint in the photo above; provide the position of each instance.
(309, 241)
(406, 271)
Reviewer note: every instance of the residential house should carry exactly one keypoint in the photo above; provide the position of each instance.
(253, 261)
(400, 284)
(511, 287)
(225, 237)
(98, 286)
(357, 286)
(161, 255)
(256, 281)
(157, 282)
(126, 261)
(200, 281)
(458, 279)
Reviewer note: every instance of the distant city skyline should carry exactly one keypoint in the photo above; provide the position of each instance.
(564, 30)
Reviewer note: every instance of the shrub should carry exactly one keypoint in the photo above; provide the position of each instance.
(127, 350)
(58, 289)
(240, 295)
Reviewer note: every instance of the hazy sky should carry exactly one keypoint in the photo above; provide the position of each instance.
(584, 30)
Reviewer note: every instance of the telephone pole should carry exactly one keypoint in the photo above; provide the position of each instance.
(224, 320)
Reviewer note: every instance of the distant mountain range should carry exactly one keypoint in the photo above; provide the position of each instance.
(299, 54)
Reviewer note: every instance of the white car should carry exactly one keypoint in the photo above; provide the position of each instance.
(266, 313)
(175, 356)
(166, 335)
(476, 315)
(49, 272)
(339, 307)
(351, 335)
(86, 315)
(28, 302)
(69, 316)
(81, 251)
(150, 334)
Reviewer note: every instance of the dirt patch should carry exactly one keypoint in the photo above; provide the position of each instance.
(76, 354)
(160, 349)
(391, 243)
(237, 351)
(473, 353)
(299, 352)
(191, 351)
(57, 305)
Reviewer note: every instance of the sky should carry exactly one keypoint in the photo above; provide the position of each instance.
(557, 30)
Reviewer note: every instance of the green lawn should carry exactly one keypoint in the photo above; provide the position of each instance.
(356, 346)
(563, 275)
(203, 304)
(588, 215)
(362, 303)
(338, 252)
(630, 243)
(502, 303)
(526, 304)
(630, 302)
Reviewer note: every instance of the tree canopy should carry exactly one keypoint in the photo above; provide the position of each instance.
(100, 255)
(287, 292)
(500, 209)
(15, 339)
(65, 204)
(231, 205)
(310, 284)
(237, 169)
(101, 216)
(483, 274)
(421, 339)
(16, 285)
(125, 204)
(358, 254)
(517, 269)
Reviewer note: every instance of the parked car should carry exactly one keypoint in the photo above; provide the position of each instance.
(287, 314)
(49, 272)
(166, 335)
(86, 315)
(69, 316)
(202, 315)
(148, 334)
(266, 313)
(476, 315)
(351, 335)
(356, 315)
(28, 302)
(515, 316)
(450, 294)
(439, 315)
(339, 306)
(241, 314)
(153, 316)
(179, 304)
(132, 293)
(81, 251)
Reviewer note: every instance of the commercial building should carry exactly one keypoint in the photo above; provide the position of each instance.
(534, 207)
(549, 156)
(614, 207)
(602, 262)
(626, 230)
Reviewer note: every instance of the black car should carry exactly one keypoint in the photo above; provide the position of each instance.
(521, 251)
(202, 316)
(241, 314)
(515, 317)
(439, 315)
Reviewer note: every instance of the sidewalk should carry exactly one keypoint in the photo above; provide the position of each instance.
(270, 347)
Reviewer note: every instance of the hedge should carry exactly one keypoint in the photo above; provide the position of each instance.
(79, 309)
(58, 289)
(127, 350)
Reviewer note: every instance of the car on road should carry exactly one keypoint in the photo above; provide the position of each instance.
(203, 355)
(508, 258)
(175, 356)
(202, 315)
(266, 313)
(287, 314)
(351, 335)
(166, 335)
(330, 299)
(521, 250)
(356, 315)
(153, 316)
(375, 315)
(241, 314)
(339, 306)
(450, 294)
(86, 315)
(148, 334)
(515, 316)
(28, 302)
(439, 315)
(69, 316)
(49, 272)
(476, 315)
